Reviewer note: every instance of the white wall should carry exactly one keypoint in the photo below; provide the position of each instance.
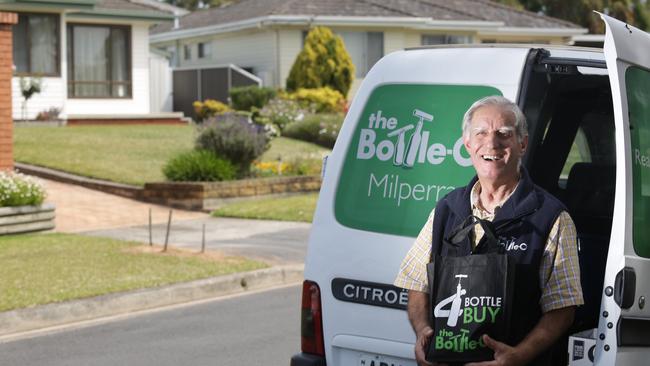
(290, 45)
(139, 103)
(160, 84)
(52, 95)
(251, 49)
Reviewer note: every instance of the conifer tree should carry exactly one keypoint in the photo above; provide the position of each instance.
(322, 62)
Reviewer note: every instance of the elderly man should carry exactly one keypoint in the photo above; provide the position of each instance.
(547, 287)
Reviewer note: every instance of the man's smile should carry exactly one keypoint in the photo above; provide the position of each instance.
(492, 157)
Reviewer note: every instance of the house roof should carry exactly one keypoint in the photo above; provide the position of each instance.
(475, 12)
(135, 9)
(148, 10)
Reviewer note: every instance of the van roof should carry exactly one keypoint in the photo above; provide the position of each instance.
(510, 45)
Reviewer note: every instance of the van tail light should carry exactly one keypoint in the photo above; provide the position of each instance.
(311, 333)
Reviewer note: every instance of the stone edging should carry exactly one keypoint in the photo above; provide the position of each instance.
(186, 195)
(39, 317)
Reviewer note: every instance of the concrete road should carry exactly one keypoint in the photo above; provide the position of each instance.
(254, 329)
(275, 242)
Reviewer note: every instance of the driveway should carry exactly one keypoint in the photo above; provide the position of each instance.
(82, 210)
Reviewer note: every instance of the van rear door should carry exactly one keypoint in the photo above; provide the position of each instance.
(624, 323)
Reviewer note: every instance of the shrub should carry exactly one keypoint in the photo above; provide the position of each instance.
(198, 166)
(51, 114)
(280, 112)
(239, 141)
(209, 108)
(20, 190)
(321, 100)
(322, 129)
(247, 97)
(323, 61)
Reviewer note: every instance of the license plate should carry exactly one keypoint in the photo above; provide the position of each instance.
(378, 360)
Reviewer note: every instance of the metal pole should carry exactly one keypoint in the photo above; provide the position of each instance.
(203, 240)
(169, 224)
(150, 236)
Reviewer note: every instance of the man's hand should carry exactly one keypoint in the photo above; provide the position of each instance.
(417, 311)
(549, 328)
(423, 338)
(503, 354)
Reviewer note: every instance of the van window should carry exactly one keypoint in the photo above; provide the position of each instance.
(406, 153)
(579, 153)
(638, 99)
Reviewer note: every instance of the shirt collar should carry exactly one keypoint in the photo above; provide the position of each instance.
(475, 203)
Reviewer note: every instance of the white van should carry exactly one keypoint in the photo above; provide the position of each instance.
(400, 151)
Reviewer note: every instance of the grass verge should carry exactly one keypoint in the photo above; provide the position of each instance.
(44, 268)
(291, 208)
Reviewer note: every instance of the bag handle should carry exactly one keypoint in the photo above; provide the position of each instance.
(463, 231)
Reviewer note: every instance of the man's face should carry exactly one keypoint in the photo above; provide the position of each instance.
(493, 145)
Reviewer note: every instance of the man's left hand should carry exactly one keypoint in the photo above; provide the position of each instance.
(504, 355)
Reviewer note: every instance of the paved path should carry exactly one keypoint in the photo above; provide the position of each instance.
(82, 210)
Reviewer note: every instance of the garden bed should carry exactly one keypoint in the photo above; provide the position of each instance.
(23, 219)
(211, 195)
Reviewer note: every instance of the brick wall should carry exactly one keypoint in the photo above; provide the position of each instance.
(6, 72)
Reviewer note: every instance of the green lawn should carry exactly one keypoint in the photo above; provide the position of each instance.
(126, 154)
(290, 208)
(287, 149)
(39, 269)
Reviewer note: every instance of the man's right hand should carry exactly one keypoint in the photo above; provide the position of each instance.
(417, 312)
(421, 347)
(423, 337)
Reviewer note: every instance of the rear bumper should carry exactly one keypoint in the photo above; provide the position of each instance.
(306, 359)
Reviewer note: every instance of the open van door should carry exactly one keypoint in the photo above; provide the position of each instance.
(624, 321)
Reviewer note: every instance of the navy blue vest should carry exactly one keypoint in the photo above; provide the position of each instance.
(522, 225)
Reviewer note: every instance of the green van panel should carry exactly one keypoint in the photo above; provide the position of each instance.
(406, 153)
(638, 100)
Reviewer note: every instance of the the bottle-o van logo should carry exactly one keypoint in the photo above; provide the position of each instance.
(407, 145)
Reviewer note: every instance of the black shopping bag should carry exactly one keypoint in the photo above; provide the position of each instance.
(470, 296)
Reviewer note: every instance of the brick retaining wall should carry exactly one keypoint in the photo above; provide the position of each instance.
(201, 196)
(209, 195)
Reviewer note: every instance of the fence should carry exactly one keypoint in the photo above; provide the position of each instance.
(213, 82)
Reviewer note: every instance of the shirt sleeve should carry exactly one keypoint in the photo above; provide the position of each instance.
(560, 269)
(413, 270)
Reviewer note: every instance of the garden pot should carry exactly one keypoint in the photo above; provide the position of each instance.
(22, 219)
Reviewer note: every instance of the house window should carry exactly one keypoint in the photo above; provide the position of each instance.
(365, 48)
(36, 44)
(204, 50)
(99, 61)
(434, 39)
(187, 52)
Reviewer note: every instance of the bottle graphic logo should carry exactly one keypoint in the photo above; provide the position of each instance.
(454, 312)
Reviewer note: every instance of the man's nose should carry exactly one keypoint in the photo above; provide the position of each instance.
(493, 140)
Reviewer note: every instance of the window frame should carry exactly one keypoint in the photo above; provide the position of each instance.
(57, 57)
(129, 63)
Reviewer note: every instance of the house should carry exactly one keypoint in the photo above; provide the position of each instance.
(90, 56)
(264, 36)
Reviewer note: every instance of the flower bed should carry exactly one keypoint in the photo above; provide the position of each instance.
(21, 205)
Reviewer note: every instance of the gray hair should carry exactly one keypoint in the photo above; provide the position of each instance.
(521, 126)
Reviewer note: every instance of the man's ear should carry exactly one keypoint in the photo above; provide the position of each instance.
(466, 141)
(524, 144)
